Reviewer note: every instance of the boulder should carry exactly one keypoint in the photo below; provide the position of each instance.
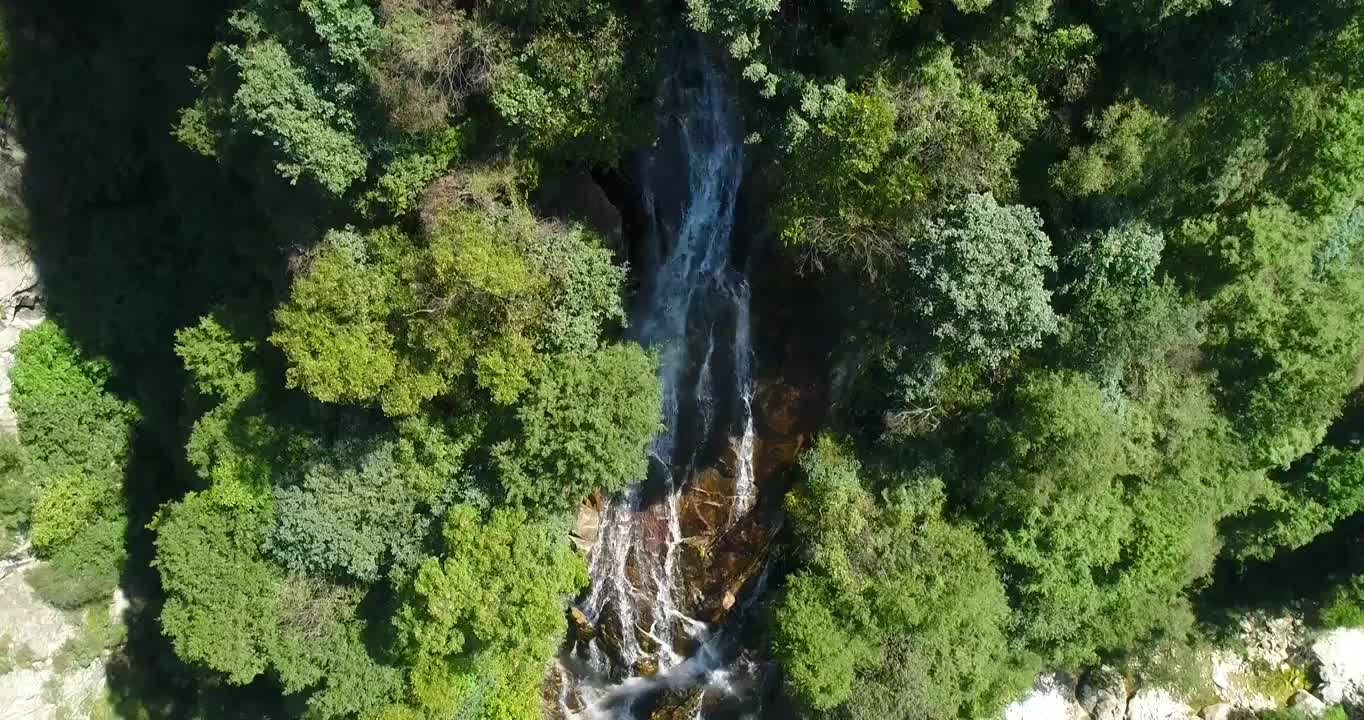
(646, 667)
(582, 627)
(1158, 704)
(1339, 657)
(1307, 704)
(1052, 698)
(1220, 711)
(586, 525)
(1103, 694)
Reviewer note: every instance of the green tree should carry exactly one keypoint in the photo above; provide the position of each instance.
(898, 613)
(222, 598)
(977, 280)
(357, 508)
(1124, 134)
(583, 426)
(293, 78)
(1283, 338)
(478, 625)
(69, 478)
(381, 318)
(1302, 503)
(1054, 507)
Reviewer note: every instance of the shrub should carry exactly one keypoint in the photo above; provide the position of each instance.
(1344, 607)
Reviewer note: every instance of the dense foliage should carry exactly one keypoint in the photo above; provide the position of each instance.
(1094, 276)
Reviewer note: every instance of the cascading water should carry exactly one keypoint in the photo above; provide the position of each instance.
(694, 311)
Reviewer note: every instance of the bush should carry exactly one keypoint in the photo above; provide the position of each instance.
(84, 570)
(67, 417)
(98, 634)
(16, 493)
(1344, 607)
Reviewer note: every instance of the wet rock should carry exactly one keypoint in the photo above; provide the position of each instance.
(678, 704)
(646, 667)
(647, 642)
(581, 626)
(586, 525)
(778, 408)
(715, 576)
(684, 641)
(609, 636)
(1158, 704)
(1307, 704)
(558, 698)
(1103, 694)
(1339, 657)
(705, 506)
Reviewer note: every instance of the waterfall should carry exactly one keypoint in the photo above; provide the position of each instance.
(693, 310)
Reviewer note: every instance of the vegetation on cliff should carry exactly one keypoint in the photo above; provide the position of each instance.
(323, 384)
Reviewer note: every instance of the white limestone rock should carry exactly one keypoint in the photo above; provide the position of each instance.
(1307, 704)
(1052, 698)
(1158, 704)
(1339, 657)
(1220, 711)
(1103, 694)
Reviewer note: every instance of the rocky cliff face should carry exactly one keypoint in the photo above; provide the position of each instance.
(20, 296)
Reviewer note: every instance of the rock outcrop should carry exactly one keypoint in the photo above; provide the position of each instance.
(573, 194)
(1052, 698)
(1103, 694)
(1158, 704)
(586, 524)
(20, 295)
(1218, 711)
(33, 635)
(1307, 704)
(1339, 657)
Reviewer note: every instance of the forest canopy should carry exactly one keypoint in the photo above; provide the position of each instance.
(326, 374)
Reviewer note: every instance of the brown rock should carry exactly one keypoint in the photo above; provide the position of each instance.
(706, 504)
(582, 627)
(778, 409)
(573, 194)
(646, 667)
(586, 525)
(678, 704)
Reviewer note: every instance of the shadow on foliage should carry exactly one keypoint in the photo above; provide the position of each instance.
(136, 237)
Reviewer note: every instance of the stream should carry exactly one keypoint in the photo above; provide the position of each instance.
(693, 310)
